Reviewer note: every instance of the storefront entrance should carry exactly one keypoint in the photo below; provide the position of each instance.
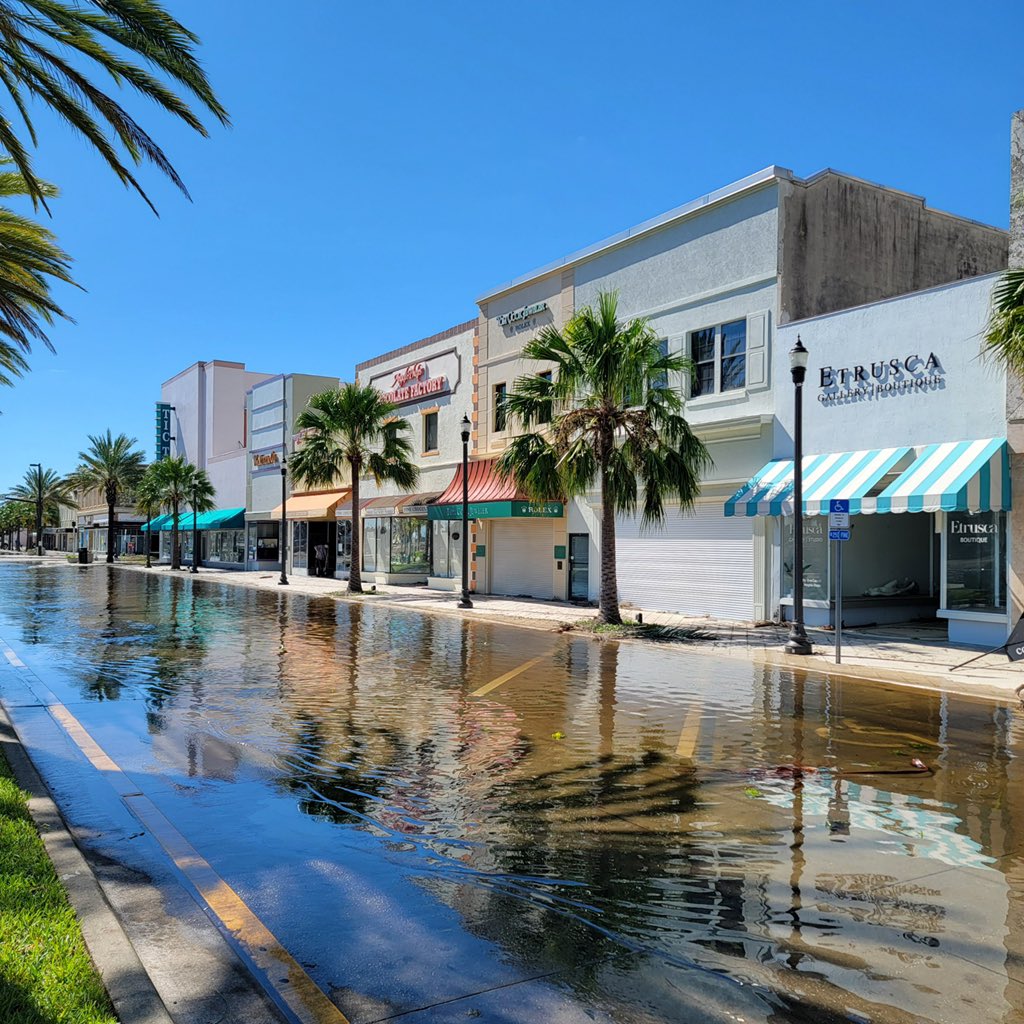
(322, 549)
(579, 566)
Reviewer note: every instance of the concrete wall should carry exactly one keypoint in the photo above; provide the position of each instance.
(844, 242)
(947, 321)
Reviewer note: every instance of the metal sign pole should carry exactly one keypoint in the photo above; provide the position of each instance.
(839, 602)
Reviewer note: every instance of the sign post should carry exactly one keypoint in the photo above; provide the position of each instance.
(839, 531)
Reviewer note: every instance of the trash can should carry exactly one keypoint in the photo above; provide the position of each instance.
(83, 556)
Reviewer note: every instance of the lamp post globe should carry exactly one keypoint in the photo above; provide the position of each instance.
(798, 643)
(466, 431)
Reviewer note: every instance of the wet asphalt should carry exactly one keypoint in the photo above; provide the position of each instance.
(443, 821)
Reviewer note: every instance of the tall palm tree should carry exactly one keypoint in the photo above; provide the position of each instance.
(1004, 335)
(44, 46)
(114, 466)
(47, 491)
(351, 431)
(148, 502)
(201, 496)
(30, 260)
(616, 421)
(173, 476)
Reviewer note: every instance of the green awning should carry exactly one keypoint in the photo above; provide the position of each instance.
(500, 510)
(218, 519)
(157, 524)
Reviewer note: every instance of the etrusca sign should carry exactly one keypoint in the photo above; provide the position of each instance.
(879, 379)
(163, 430)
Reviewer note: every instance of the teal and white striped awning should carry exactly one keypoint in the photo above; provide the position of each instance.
(964, 476)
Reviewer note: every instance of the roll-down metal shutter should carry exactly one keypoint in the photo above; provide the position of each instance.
(521, 554)
(698, 563)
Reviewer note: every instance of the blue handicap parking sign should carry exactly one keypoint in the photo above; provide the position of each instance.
(838, 534)
(839, 505)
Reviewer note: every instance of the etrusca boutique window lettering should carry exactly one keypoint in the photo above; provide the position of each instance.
(719, 357)
(500, 394)
(430, 432)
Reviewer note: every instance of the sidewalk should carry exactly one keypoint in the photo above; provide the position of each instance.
(914, 654)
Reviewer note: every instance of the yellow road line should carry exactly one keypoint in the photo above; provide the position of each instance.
(300, 993)
(13, 658)
(691, 733)
(501, 680)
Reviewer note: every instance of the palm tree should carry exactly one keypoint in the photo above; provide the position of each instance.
(615, 421)
(114, 466)
(1004, 335)
(149, 501)
(201, 496)
(352, 431)
(47, 491)
(29, 259)
(103, 35)
(173, 476)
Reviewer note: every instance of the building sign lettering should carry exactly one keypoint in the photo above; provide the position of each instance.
(265, 460)
(413, 383)
(163, 430)
(884, 378)
(522, 313)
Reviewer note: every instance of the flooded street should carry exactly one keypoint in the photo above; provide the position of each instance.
(444, 821)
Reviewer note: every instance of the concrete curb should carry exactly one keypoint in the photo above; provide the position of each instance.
(135, 999)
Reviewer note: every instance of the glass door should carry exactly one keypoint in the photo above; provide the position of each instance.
(579, 566)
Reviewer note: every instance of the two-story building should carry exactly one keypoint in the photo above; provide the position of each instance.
(716, 278)
(409, 537)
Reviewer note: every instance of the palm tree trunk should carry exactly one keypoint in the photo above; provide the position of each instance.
(355, 575)
(111, 525)
(175, 549)
(608, 603)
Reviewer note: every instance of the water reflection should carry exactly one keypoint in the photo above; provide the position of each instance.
(789, 846)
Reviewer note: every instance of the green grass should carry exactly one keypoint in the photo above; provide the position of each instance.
(46, 976)
(644, 631)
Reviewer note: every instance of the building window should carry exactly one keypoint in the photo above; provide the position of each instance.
(661, 379)
(267, 542)
(719, 357)
(544, 416)
(446, 549)
(344, 554)
(430, 432)
(410, 545)
(500, 396)
(975, 561)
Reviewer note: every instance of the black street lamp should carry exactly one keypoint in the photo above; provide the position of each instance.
(798, 642)
(283, 544)
(466, 427)
(39, 508)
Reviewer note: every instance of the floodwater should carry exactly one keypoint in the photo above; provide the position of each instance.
(608, 832)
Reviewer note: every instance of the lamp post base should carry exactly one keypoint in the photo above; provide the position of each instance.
(798, 642)
(282, 582)
(465, 602)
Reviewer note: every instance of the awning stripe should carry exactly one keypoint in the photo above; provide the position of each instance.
(952, 476)
(955, 476)
(849, 475)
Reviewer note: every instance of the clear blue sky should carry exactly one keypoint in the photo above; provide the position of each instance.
(390, 161)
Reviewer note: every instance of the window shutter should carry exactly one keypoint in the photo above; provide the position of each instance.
(757, 351)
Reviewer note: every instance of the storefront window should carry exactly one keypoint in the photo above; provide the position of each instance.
(267, 542)
(816, 560)
(369, 545)
(975, 557)
(225, 546)
(344, 559)
(446, 553)
(410, 545)
(300, 536)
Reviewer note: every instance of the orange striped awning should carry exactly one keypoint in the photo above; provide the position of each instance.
(312, 506)
(484, 485)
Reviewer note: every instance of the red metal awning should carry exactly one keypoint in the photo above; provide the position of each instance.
(484, 485)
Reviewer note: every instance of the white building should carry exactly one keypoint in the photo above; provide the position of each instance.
(716, 278)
